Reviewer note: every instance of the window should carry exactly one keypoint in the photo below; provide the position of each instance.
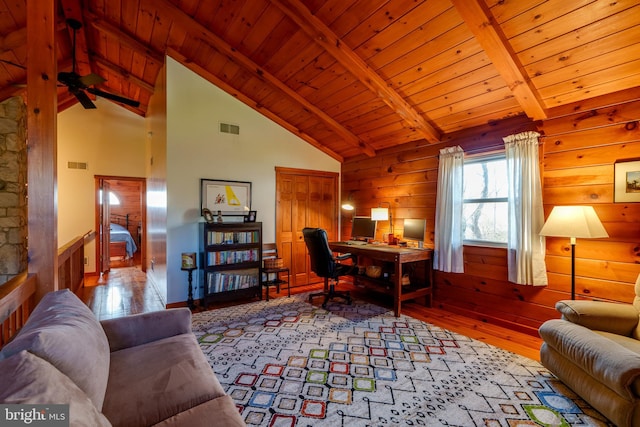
(485, 194)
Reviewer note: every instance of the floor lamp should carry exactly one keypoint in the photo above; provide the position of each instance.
(573, 222)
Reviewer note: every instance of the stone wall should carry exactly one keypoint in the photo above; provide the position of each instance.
(13, 188)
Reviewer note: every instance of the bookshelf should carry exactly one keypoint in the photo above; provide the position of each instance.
(230, 260)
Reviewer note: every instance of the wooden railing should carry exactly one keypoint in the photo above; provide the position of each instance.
(17, 296)
(71, 263)
(17, 300)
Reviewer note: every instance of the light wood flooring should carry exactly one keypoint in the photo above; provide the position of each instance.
(126, 291)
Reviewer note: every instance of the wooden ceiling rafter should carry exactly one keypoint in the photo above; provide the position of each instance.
(122, 73)
(217, 43)
(488, 33)
(123, 38)
(325, 37)
(13, 40)
(20, 87)
(202, 72)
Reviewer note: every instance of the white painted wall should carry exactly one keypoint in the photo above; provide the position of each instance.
(97, 137)
(195, 150)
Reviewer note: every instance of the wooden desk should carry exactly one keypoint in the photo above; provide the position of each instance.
(398, 256)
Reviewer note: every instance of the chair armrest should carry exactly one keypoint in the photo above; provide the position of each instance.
(342, 257)
(617, 318)
(130, 331)
(608, 362)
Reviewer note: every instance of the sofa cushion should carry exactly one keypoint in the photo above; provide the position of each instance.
(64, 332)
(226, 414)
(25, 378)
(155, 381)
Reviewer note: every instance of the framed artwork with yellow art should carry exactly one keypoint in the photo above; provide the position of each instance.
(231, 198)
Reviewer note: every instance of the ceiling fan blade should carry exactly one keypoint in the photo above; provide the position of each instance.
(113, 97)
(91, 79)
(83, 98)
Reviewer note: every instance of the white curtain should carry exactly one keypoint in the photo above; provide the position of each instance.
(526, 248)
(447, 255)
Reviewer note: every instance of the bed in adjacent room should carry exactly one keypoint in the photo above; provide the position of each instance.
(122, 244)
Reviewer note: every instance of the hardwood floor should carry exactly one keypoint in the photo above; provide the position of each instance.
(121, 292)
(126, 291)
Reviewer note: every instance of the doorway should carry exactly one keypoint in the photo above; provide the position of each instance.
(120, 222)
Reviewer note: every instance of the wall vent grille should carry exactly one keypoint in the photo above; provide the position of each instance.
(229, 128)
(77, 165)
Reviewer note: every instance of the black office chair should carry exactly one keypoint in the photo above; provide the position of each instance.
(326, 265)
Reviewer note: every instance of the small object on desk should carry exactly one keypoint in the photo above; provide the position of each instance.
(402, 244)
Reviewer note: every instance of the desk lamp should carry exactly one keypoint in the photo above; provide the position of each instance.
(384, 214)
(573, 222)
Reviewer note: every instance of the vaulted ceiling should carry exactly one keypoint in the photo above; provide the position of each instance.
(350, 77)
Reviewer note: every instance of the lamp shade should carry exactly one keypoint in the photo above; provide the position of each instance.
(574, 221)
(379, 214)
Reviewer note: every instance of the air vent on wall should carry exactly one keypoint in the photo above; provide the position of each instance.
(77, 165)
(229, 128)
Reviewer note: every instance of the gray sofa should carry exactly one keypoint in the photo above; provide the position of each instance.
(138, 370)
(595, 350)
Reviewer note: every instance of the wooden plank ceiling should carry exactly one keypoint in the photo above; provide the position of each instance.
(351, 77)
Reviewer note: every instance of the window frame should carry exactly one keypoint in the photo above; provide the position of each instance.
(482, 158)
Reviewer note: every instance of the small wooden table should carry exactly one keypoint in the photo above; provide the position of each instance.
(398, 256)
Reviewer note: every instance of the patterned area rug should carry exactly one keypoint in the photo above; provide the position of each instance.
(288, 363)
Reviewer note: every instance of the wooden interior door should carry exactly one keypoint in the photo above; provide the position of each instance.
(103, 226)
(304, 198)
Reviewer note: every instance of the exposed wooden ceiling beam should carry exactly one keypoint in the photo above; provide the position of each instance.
(202, 72)
(212, 39)
(13, 40)
(325, 37)
(66, 101)
(124, 39)
(122, 73)
(13, 89)
(493, 41)
(18, 38)
(73, 10)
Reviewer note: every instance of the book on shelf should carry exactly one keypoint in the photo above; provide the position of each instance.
(232, 257)
(221, 281)
(232, 237)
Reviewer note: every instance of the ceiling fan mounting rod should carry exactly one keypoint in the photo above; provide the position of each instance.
(75, 26)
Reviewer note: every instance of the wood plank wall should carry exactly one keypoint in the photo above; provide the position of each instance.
(579, 147)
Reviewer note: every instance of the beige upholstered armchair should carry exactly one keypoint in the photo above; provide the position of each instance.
(595, 350)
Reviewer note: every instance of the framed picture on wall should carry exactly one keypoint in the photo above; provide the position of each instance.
(626, 181)
(230, 197)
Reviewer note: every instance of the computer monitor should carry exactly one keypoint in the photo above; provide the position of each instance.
(414, 229)
(363, 227)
